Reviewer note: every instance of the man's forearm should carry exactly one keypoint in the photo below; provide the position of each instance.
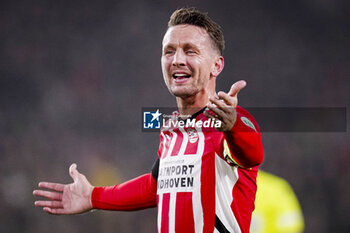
(138, 193)
(244, 141)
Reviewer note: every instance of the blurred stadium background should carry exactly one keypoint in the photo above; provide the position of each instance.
(74, 76)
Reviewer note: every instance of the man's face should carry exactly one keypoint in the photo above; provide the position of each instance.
(188, 60)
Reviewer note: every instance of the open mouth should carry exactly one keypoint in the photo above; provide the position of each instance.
(181, 77)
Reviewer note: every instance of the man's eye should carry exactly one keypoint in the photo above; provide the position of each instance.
(190, 52)
(169, 52)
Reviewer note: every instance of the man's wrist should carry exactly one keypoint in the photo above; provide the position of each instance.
(91, 207)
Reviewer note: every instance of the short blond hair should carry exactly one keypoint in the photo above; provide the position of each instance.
(194, 17)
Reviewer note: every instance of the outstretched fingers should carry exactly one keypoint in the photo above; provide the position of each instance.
(48, 194)
(73, 198)
(49, 204)
(53, 186)
(55, 196)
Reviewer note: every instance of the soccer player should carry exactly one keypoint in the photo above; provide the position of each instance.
(204, 179)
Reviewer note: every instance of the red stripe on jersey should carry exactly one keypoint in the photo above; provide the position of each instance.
(165, 213)
(178, 142)
(184, 213)
(161, 144)
(244, 197)
(207, 189)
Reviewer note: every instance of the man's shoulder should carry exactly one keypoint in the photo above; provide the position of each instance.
(242, 111)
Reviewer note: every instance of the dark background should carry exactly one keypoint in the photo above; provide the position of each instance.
(74, 76)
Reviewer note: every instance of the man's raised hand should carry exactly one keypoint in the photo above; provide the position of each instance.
(223, 105)
(74, 198)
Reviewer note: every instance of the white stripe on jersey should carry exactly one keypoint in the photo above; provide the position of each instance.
(196, 195)
(173, 140)
(226, 178)
(164, 141)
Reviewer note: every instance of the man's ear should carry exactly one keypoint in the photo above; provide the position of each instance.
(217, 67)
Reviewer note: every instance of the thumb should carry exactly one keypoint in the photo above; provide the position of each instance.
(236, 87)
(73, 172)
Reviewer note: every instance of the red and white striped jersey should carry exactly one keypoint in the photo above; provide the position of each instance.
(207, 179)
(203, 181)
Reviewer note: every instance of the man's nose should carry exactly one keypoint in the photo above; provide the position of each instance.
(179, 58)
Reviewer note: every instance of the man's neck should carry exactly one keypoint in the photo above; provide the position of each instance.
(191, 105)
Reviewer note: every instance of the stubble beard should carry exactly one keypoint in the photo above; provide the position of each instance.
(184, 93)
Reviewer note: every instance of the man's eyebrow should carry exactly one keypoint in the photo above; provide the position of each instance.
(190, 46)
(169, 46)
(184, 46)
